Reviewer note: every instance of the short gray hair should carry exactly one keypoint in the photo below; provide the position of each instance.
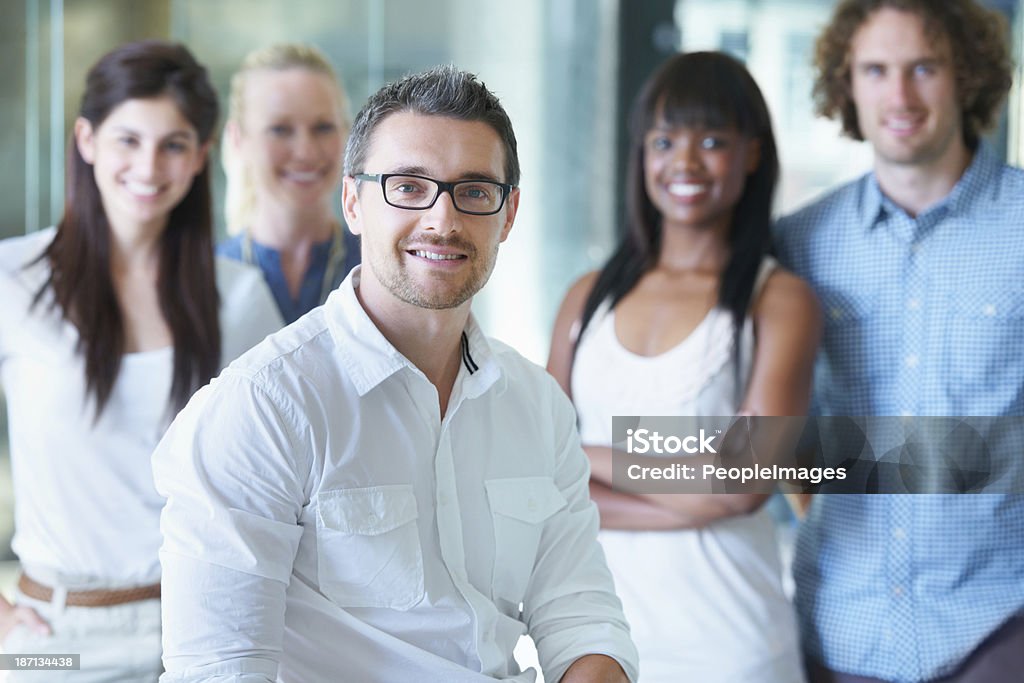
(440, 91)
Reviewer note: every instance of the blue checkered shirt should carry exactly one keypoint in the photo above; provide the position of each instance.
(923, 316)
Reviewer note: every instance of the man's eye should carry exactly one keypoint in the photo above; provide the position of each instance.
(475, 192)
(280, 130)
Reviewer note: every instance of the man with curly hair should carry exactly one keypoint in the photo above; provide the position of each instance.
(919, 266)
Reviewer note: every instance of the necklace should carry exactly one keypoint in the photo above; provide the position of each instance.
(335, 258)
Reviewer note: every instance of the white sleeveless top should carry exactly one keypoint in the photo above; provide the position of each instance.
(705, 604)
(87, 514)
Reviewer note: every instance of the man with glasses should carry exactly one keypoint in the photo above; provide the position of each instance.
(379, 492)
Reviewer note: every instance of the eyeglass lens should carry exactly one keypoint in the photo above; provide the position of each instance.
(471, 196)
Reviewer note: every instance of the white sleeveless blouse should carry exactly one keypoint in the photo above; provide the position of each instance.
(705, 604)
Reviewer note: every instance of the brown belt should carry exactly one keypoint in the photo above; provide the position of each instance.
(94, 598)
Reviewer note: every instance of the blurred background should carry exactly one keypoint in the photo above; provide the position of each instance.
(566, 70)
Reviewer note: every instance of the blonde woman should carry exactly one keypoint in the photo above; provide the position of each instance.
(285, 138)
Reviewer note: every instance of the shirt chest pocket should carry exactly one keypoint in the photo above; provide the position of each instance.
(850, 335)
(519, 508)
(982, 341)
(368, 547)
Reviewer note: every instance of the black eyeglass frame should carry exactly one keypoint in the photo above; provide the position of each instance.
(382, 178)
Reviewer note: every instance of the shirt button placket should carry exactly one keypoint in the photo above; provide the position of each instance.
(911, 362)
(900, 582)
(449, 524)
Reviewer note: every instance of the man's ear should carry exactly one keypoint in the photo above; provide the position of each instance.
(511, 208)
(350, 207)
(85, 140)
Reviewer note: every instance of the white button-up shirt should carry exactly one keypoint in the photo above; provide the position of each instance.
(324, 523)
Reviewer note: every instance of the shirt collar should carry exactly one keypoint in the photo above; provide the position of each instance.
(871, 203)
(964, 197)
(481, 369)
(370, 359)
(976, 184)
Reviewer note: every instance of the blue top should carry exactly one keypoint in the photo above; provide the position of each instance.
(269, 261)
(923, 316)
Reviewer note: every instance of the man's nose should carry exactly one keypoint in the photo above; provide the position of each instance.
(443, 217)
(902, 90)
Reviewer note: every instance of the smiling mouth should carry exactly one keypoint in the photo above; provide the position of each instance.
(303, 176)
(903, 125)
(141, 189)
(434, 256)
(686, 189)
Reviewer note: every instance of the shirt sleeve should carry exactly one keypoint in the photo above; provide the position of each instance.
(232, 471)
(571, 609)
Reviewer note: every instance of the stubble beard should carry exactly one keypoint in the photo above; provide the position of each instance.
(395, 277)
(924, 154)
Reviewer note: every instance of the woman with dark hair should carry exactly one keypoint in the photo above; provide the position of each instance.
(110, 322)
(691, 316)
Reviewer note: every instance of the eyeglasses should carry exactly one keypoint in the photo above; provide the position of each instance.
(416, 192)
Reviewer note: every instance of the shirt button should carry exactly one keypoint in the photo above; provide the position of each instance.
(989, 310)
(444, 499)
(912, 360)
(899, 534)
(897, 591)
(907, 413)
(914, 248)
(531, 505)
(836, 313)
(913, 304)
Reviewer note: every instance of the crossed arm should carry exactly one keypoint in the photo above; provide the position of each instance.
(787, 328)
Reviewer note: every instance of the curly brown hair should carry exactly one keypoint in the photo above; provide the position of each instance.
(981, 59)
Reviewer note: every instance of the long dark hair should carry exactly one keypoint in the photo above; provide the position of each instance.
(79, 255)
(708, 89)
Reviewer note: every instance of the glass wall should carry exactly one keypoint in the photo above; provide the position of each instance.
(775, 38)
(776, 41)
(1015, 152)
(551, 63)
(555, 65)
